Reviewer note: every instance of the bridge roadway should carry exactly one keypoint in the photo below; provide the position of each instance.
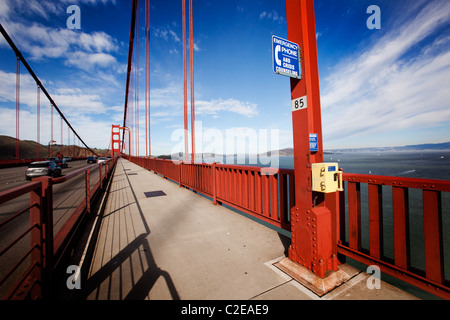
(66, 197)
(176, 244)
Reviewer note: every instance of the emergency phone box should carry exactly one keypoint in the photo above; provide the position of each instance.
(326, 177)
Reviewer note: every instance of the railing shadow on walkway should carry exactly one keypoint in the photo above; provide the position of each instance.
(140, 288)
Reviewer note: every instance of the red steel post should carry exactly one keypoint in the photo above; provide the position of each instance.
(17, 105)
(149, 78)
(36, 237)
(88, 190)
(186, 146)
(38, 125)
(146, 77)
(311, 221)
(191, 56)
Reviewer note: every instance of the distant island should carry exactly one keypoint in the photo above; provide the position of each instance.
(416, 147)
(28, 150)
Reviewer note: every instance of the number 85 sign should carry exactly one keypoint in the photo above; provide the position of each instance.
(299, 104)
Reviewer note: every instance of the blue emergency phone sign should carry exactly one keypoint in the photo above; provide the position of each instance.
(286, 58)
(313, 142)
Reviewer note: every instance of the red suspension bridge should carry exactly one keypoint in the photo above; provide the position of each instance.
(323, 220)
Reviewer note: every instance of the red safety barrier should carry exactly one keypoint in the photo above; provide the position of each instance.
(268, 194)
(432, 279)
(30, 275)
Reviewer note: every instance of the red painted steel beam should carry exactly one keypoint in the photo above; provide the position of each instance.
(419, 281)
(312, 244)
(424, 184)
(136, 82)
(186, 146)
(147, 77)
(433, 236)
(191, 55)
(17, 105)
(401, 227)
(376, 220)
(38, 125)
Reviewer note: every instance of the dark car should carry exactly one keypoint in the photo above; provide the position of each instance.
(42, 168)
(61, 163)
(91, 159)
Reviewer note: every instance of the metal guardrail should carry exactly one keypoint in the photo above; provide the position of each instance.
(268, 194)
(395, 192)
(31, 275)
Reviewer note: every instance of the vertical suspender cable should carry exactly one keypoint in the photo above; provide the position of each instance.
(186, 146)
(17, 105)
(146, 75)
(61, 148)
(149, 59)
(191, 54)
(38, 124)
(51, 138)
(136, 83)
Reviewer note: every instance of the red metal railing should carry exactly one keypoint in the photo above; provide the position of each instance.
(268, 194)
(397, 211)
(265, 193)
(30, 276)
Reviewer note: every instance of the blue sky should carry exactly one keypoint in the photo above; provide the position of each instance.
(382, 87)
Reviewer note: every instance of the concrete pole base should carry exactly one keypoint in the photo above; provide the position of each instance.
(310, 280)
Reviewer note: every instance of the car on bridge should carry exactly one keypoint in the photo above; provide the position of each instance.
(102, 159)
(61, 163)
(42, 168)
(91, 159)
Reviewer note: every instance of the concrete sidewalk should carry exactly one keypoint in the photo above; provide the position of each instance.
(175, 244)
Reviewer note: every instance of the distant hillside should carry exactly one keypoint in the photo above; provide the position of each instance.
(415, 147)
(28, 149)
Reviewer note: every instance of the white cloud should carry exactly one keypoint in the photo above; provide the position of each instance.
(4, 9)
(44, 8)
(44, 42)
(166, 33)
(8, 89)
(87, 61)
(96, 42)
(215, 106)
(385, 89)
(171, 97)
(271, 15)
(66, 99)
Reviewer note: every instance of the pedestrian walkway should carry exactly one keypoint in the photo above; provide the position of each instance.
(161, 242)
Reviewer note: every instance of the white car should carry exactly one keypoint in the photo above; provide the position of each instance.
(101, 159)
